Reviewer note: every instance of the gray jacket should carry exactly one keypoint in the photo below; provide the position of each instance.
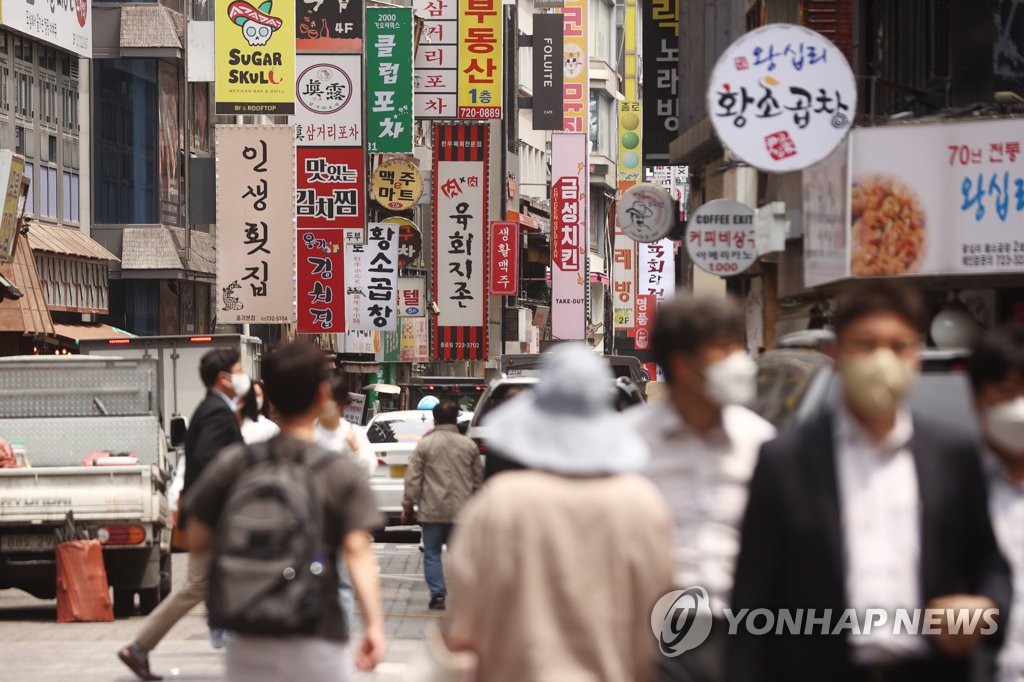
(444, 471)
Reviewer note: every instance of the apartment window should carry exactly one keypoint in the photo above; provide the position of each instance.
(23, 49)
(70, 195)
(5, 88)
(48, 102)
(23, 102)
(47, 191)
(69, 98)
(48, 59)
(51, 147)
(19, 140)
(65, 65)
(3, 42)
(30, 204)
(595, 120)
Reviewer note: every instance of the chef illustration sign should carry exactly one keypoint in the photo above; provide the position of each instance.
(782, 98)
(255, 48)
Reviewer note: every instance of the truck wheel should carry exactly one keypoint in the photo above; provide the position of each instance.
(124, 603)
(148, 600)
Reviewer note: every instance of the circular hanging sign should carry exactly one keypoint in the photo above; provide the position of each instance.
(782, 98)
(720, 237)
(410, 242)
(646, 212)
(323, 88)
(397, 184)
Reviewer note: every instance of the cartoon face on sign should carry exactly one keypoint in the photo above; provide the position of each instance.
(256, 23)
(573, 62)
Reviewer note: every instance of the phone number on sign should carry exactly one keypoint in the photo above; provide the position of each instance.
(454, 344)
(480, 112)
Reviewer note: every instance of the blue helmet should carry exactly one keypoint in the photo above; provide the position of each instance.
(428, 402)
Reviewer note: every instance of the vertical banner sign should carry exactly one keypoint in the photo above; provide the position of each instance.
(661, 78)
(548, 52)
(503, 259)
(656, 270)
(12, 169)
(321, 282)
(437, 60)
(371, 280)
(460, 232)
(329, 25)
(569, 235)
(329, 100)
(389, 118)
(645, 311)
(481, 81)
(576, 63)
(170, 146)
(624, 280)
(414, 346)
(255, 55)
(255, 224)
(330, 188)
(412, 294)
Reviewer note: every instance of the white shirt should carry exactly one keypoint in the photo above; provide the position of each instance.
(1006, 507)
(880, 509)
(705, 483)
(259, 431)
(335, 440)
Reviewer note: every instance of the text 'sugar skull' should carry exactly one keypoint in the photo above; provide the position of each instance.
(256, 33)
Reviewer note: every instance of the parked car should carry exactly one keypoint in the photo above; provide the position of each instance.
(394, 436)
(795, 385)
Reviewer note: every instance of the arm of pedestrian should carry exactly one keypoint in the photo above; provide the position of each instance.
(362, 567)
(478, 469)
(200, 537)
(956, 639)
(413, 482)
(363, 450)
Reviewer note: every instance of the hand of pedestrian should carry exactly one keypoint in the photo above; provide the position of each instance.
(372, 650)
(408, 517)
(962, 607)
(7, 458)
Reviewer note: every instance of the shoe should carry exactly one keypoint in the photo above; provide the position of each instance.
(437, 604)
(137, 664)
(218, 638)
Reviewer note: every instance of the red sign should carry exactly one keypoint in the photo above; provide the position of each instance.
(503, 259)
(330, 188)
(645, 307)
(321, 281)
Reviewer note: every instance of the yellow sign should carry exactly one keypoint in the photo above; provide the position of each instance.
(481, 75)
(255, 53)
(630, 139)
(12, 169)
(575, 64)
(397, 184)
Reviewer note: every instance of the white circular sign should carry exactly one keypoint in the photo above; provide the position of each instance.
(782, 98)
(720, 237)
(323, 88)
(646, 212)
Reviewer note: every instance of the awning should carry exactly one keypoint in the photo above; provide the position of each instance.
(383, 388)
(66, 241)
(157, 252)
(87, 332)
(148, 26)
(28, 314)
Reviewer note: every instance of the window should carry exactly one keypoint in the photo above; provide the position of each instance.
(595, 118)
(48, 102)
(70, 201)
(5, 88)
(30, 205)
(47, 191)
(51, 147)
(69, 98)
(3, 42)
(48, 58)
(23, 101)
(19, 140)
(23, 49)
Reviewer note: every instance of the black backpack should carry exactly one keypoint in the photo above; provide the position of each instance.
(271, 572)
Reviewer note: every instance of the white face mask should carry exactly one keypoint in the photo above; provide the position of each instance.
(240, 384)
(877, 382)
(732, 381)
(1004, 426)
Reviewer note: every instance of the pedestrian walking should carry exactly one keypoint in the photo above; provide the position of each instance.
(257, 427)
(337, 434)
(556, 568)
(444, 470)
(290, 503)
(214, 426)
(996, 370)
(868, 506)
(704, 446)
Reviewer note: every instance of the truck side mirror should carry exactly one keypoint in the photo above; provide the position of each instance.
(179, 427)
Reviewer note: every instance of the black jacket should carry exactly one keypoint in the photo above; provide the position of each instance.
(792, 547)
(212, 428)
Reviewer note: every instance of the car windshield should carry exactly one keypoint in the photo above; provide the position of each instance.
(499, 395)
(783, 379)
(400, 429)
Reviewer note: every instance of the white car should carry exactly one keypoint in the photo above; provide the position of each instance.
(394, 436)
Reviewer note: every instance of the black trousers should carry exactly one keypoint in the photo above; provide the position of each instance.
(706, 663)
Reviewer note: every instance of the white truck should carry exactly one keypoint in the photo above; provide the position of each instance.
(59, 411)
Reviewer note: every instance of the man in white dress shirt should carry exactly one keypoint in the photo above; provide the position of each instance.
(996, 369)
(704, 446)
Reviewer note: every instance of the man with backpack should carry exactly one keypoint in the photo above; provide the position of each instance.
(279, 517)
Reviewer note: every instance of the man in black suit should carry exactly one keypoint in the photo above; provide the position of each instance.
(871, 508)
(213, 427)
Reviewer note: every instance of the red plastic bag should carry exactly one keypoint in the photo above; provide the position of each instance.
(83, 593)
